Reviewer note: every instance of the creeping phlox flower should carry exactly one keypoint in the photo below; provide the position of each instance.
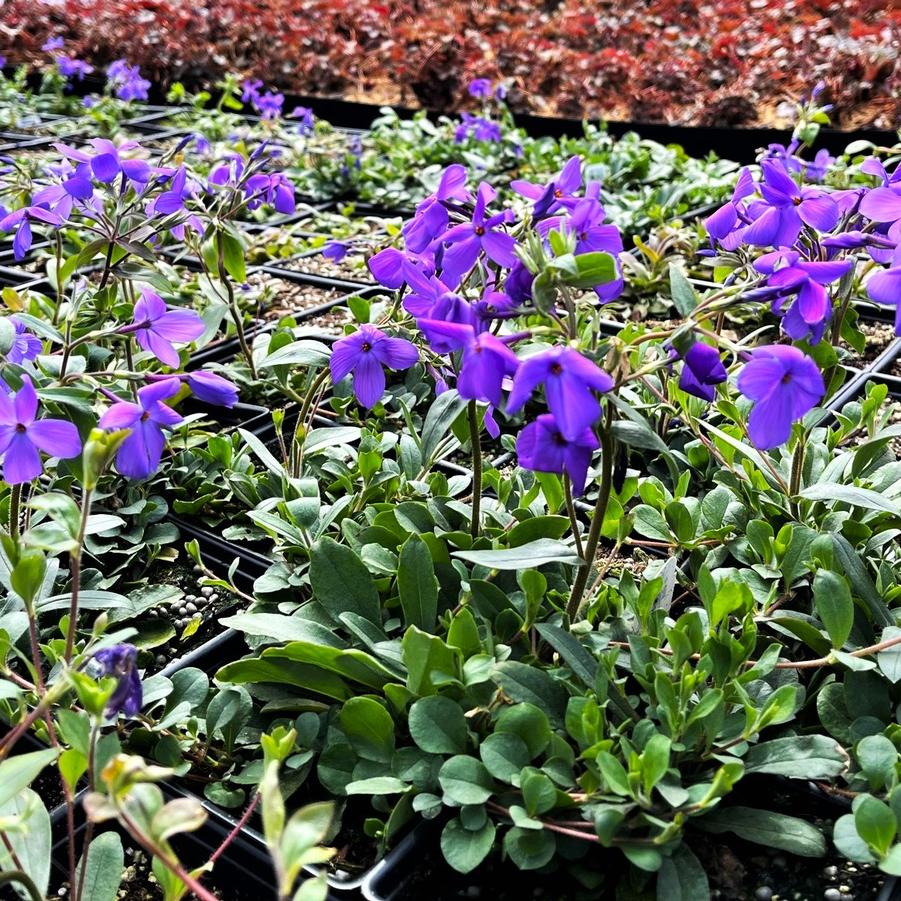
(268, 105)
(121, 663)
(54, 43)
(259, 188)
(108, 161)
(306, 120)
(364, 353)
(126, 81)
(702, 371)
(477, 128)
(211, 388)
(69, 67)
(558, 192)
(21, 220)
(784, 384)
(23, 435)
(140, 453)
(25, 346)
(542, 447)
(156, 327)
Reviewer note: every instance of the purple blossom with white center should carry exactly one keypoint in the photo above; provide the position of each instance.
(702, 371)
(789, 275)
(156, 327)
(542, 447)
(558, 192)
(484, 233)
(23, 436)
(569, 380)
(121, 663)
(786, 208)
(485, 362)
(784, 384)
(139, 454)
(25, 346)
(364, 353)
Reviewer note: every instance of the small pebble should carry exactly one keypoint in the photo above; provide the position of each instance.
(213, 598)
(832, 894)
(830, 872)
(197, 568)
(161, 659)
(206, 591)
(764, 893)
(844, 888)
(191, 608)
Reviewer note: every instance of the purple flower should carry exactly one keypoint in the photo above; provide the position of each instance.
(702, 369)
(467, 240)
(569, 381)
(54, 43)
(156, 327)
(542, 447)
(69, 67)
(140, 453)
(25, 345)
(364, 353)
(479, 88)
(784, 384)
(21, 221)
(885, 287)
(2, 61)
(275, 189)
(307, 120)
(22, 435)
(817, 169)
(485, 361)
(250, 90)
(557, 192)
(335, 251)
(121, 663)
(126, 81)
(387, 267)
(478, 128)
(786, 208)
(107, 161)
(726, 218)
(788, 276)
(212, 388)
(269, 105)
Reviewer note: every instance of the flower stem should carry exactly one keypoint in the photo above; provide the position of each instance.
(15, 499)
(75, 571)
(571, 510)
(597, 522)
(476, 469)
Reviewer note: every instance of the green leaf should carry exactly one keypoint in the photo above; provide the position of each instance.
(528, 684)
(279, 627)
(889, 660)
(530, 723)
(875, 823)
(465, 780)
(465, 849)
(836, 492)
(369, 728)
(504, 754)
(682, 878)
(574, 654)
(834, 605)
(852, 567)
(530, 849)
(17, 773)
(417, 584)
(526, 556)
(428, 661)
(438, 726)
(766, 827)
(341, 582)
(438, 421)
(105, 863)
(30, 840)
(591, 269)
(798, 757)
(376, 785)
(233, 257)
(681, 290)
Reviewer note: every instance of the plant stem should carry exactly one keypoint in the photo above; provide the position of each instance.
(476, 469)
(597, 522)
(89, 829)
(794, 485)
(24, 879)
(571, 510)
(75, 571)
(233, 307)
(15, 499)
(238, 827)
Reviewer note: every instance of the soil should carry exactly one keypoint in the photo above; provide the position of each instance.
(352, 267)
(331, 322)
(288, 298)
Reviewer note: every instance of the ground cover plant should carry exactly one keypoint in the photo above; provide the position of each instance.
(541, 529)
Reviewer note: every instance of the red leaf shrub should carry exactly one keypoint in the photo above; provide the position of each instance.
(713, 61)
